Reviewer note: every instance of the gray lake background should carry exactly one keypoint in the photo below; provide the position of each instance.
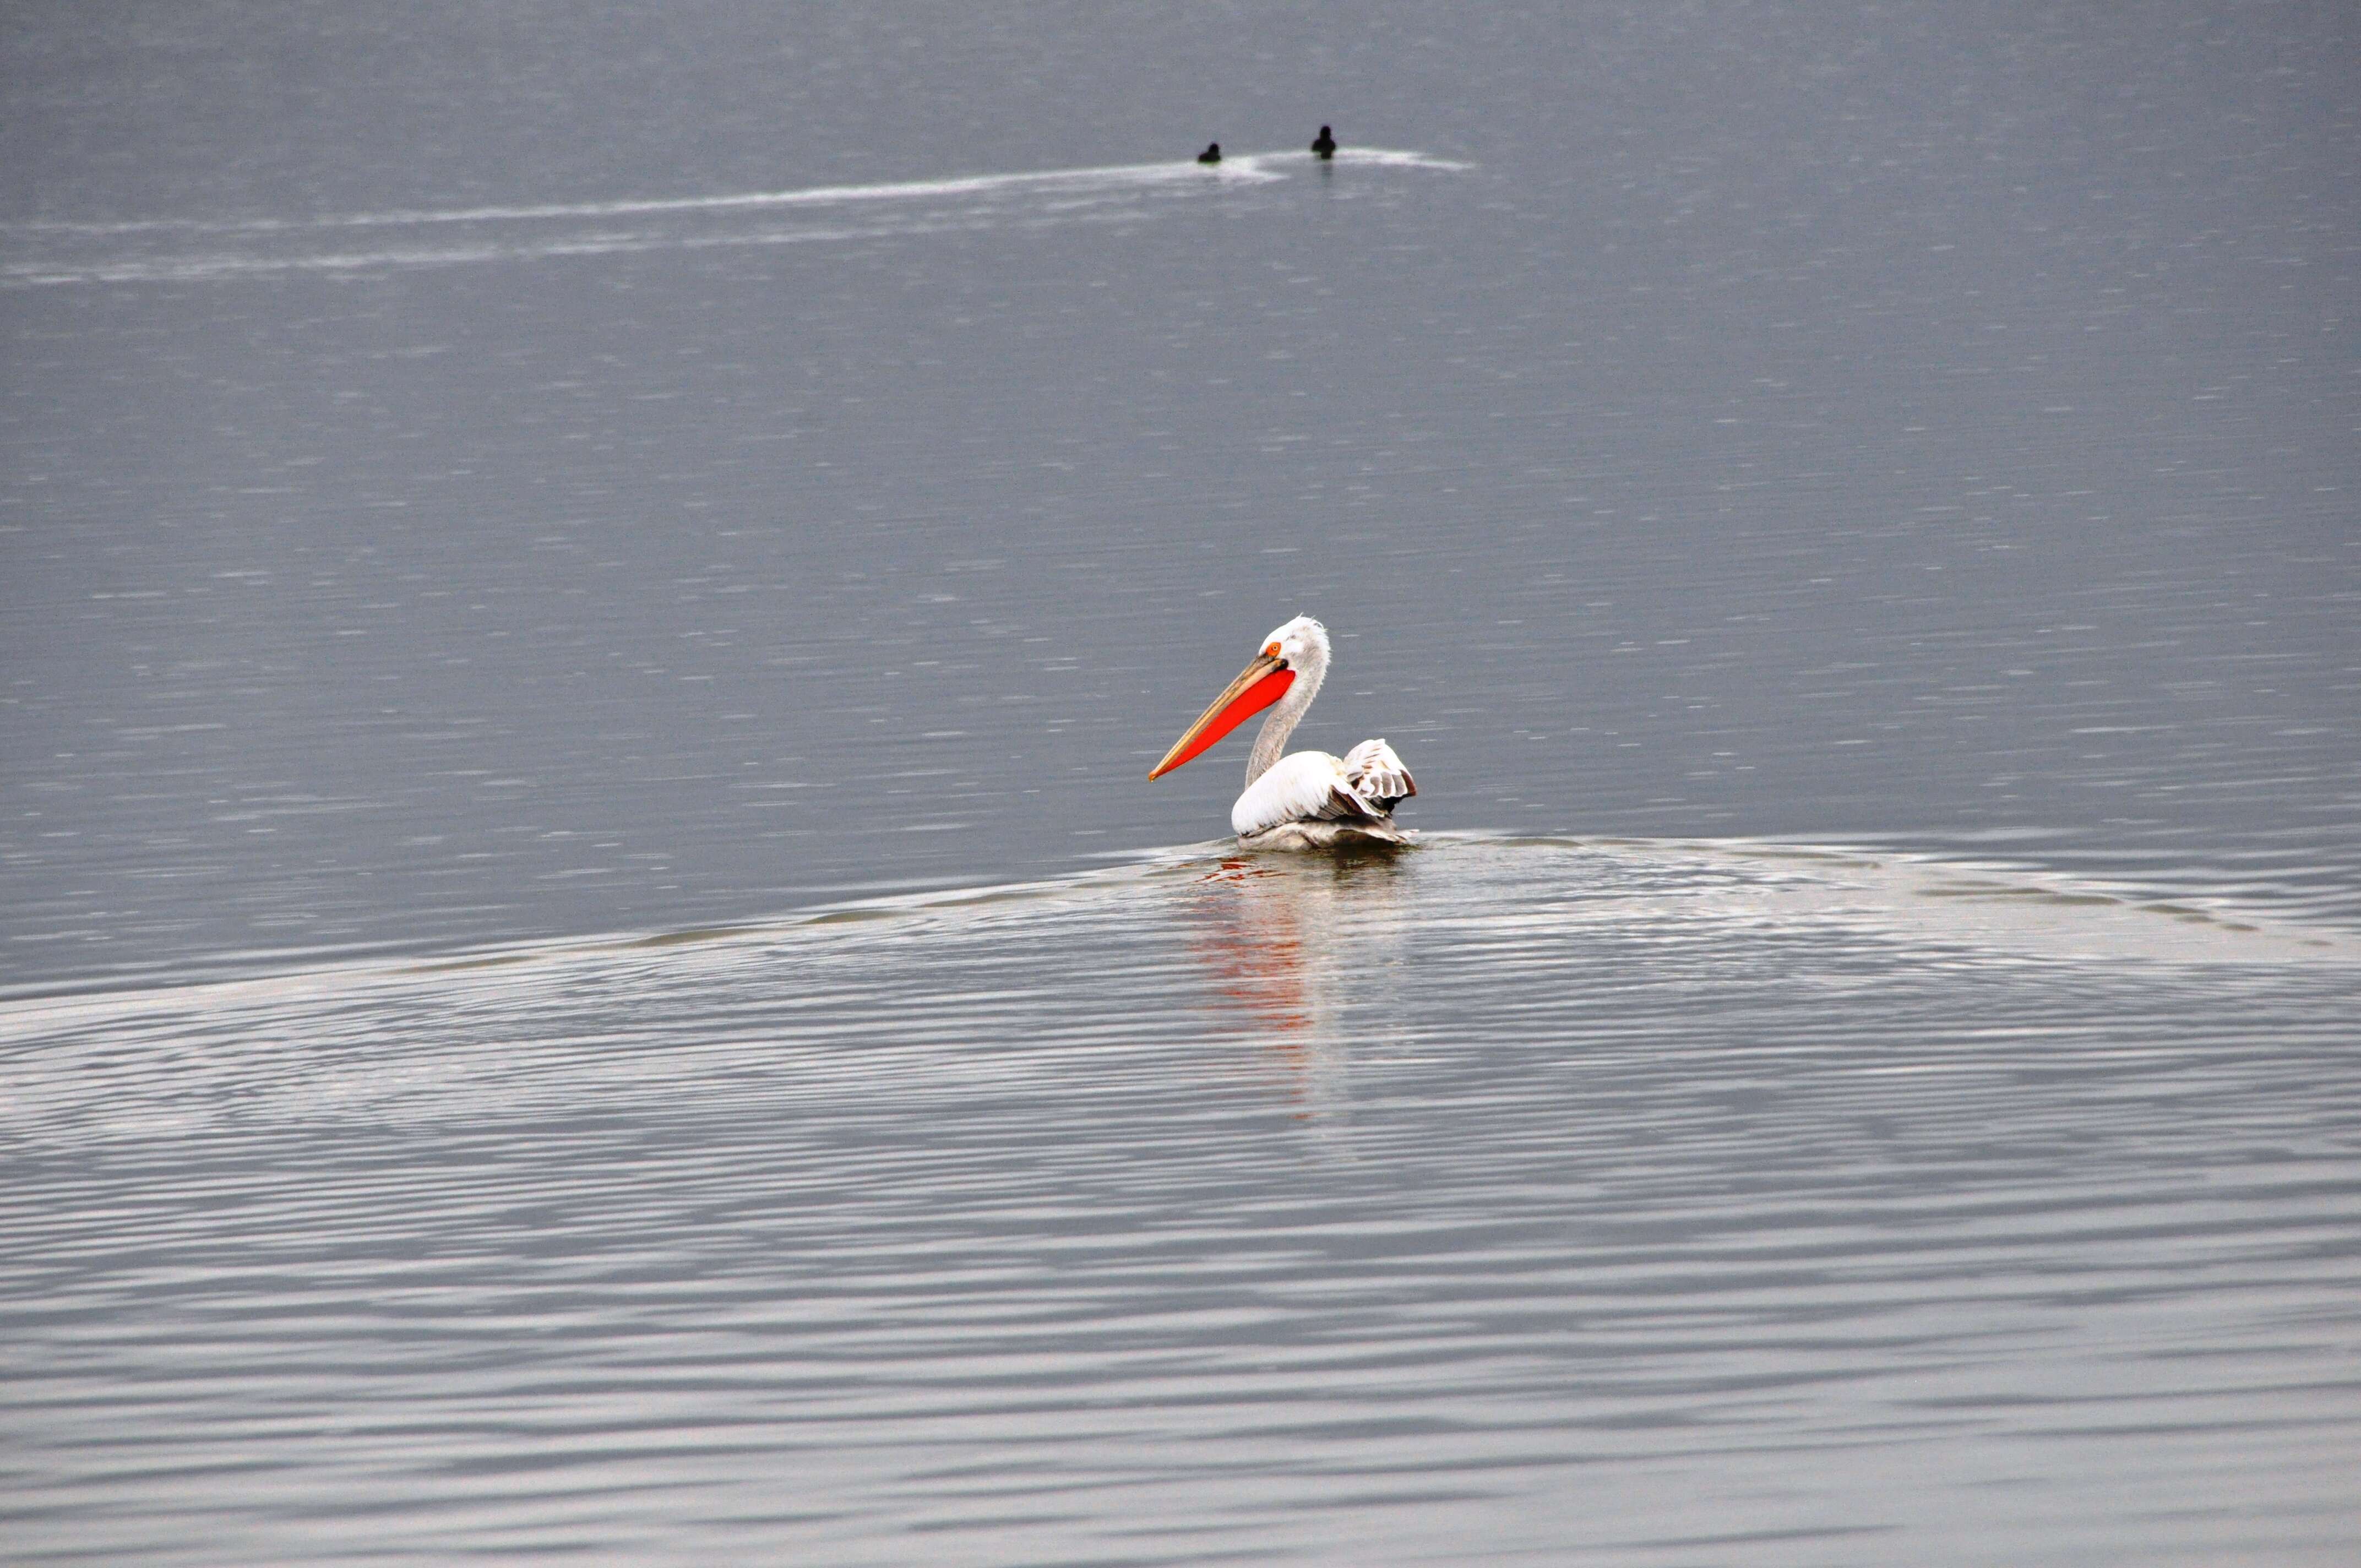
(587, 966)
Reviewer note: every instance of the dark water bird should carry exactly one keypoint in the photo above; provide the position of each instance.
(1212, 153)
(1325, 143)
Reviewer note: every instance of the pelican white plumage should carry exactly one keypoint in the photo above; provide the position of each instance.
(1306, 800)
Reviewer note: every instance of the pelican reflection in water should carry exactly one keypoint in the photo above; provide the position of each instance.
(1304, 959)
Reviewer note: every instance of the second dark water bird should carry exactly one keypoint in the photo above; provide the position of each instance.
(1325, 143)
(1212, 153)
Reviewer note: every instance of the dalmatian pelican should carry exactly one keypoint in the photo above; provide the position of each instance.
(1306, 800)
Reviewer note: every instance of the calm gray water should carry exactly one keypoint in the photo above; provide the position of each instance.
(586, 966)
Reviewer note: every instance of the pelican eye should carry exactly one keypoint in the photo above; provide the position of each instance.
(1271, 652)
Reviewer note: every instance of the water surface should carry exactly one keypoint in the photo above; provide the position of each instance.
(1615, 1201)
(584, 962)
(541, 477)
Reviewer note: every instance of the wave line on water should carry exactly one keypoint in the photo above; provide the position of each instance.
(196, 250)
(213, 267)
(1919, 899)
(1252, 168)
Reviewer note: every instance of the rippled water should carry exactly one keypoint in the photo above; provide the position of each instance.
(1624, 1201)
(583, 963)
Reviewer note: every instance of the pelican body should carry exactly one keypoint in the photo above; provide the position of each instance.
(1304, 800)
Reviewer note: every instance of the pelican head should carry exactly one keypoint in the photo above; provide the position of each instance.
(1301, 642)
(1294, 647)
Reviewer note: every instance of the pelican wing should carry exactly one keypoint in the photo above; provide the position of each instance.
(1374, 774)
(1313, 786)
(1301, 786)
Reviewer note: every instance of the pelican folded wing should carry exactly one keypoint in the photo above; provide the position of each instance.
(1301, 785)
(1377, 777)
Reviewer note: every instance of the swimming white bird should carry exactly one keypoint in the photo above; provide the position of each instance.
(1308, 800)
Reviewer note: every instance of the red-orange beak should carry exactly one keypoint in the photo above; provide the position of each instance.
(1264, 682)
